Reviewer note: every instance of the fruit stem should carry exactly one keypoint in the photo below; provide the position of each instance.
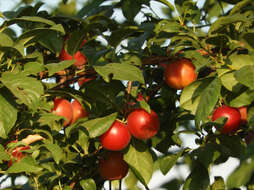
(36, 183)
(120, 184)
(129, 87)
(110, 185)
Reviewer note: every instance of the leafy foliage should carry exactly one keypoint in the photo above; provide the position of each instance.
(127, 46)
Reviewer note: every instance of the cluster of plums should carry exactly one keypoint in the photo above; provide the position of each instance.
(180, 73)
(140, 124)
(71, 111)
(235, 117)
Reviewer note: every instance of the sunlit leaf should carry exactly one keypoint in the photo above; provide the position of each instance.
(140, 160)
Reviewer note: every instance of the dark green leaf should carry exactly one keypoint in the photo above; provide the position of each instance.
(206, 154)
(122, 33)
(119, 71)
(239, 6)
(103, 99)
(89, 7)
(75, 41)
(135, 8)
(51, 41)
(193, 180)
(92, 54)
(38, 34)
(248, 40)
(219, 40)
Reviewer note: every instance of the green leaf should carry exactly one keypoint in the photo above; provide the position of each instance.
(26, 164)
(131, 60)
(219, 40)
(83, 141)
(122, 33)
(231, 145)
(55, 67)
(88, 184)
(167, 3)
(244, 98)
(218, 184)
(167, 162)
(167, 26)
(98, 126)
(241, 175)
(239, 61)
(27, 89)
(8, 113)
(75, 41)
(51, 41)
(208, 99)
(188, 99)
(194, 181)
(136, 43)
(248, 40)
(130, 13)
(48, 119)
(56, 152)
(143, 104)
(131, 181)
(3, 154)
(5, 40)
(39, 35)
(33, 68)
(228, 80)
(31, 19)
(119, 71)
(103, 99)
(206, 154)
(223, 21)
(246, 76)
(89, 7)
(140, 161)
(92, 54)
(239, 6)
